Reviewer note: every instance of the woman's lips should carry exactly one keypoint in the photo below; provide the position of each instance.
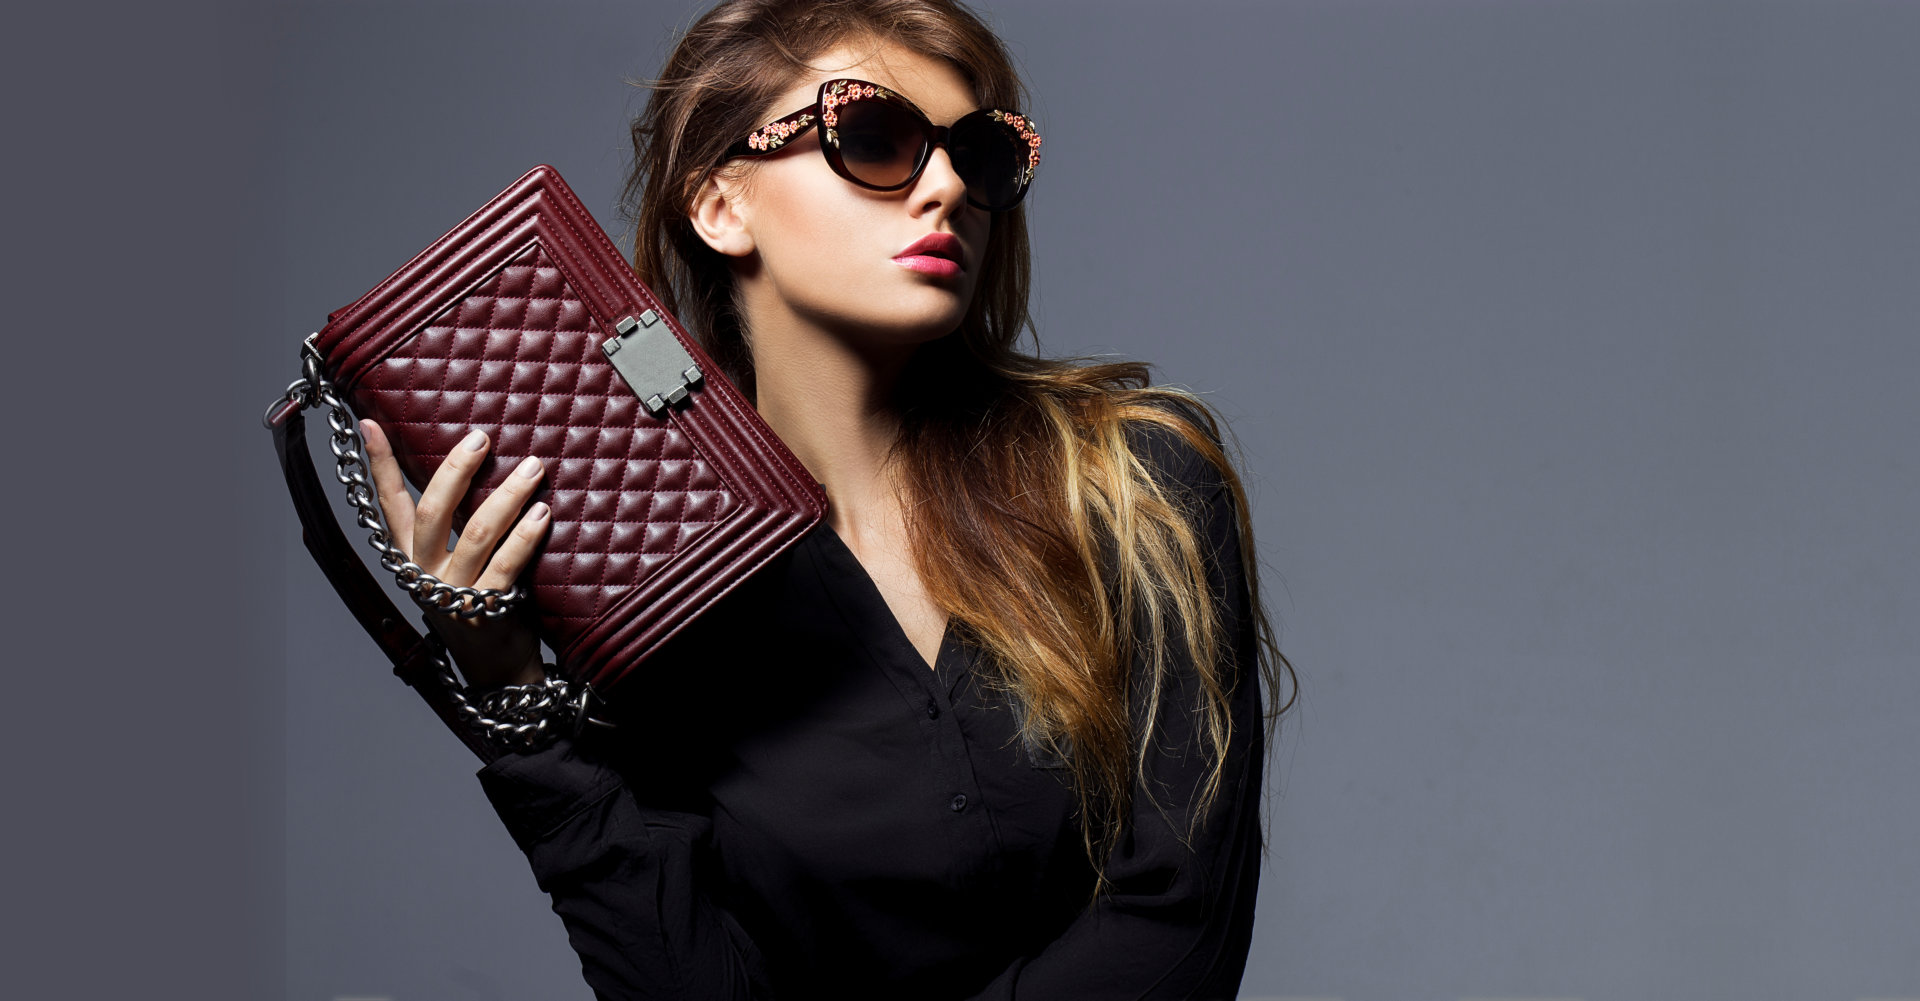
(936, 254)
(939, 267)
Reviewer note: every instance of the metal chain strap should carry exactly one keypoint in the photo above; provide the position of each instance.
(518, 718)
(313, 389)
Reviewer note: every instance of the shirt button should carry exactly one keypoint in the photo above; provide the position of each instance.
(959, 802)
(933, 711)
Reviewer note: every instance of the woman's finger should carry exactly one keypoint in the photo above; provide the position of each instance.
(389, 487)
(512, 556)
(433, 516)
(492, 520)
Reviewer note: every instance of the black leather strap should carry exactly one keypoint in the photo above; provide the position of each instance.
(411, 652)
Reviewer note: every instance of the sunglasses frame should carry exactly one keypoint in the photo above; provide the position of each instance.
(824, 111)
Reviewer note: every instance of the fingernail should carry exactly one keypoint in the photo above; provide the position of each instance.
(529, 467)
(475, 441)
(540, 511)
(366, 429)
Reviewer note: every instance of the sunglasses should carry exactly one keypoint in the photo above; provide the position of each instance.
(879, 140)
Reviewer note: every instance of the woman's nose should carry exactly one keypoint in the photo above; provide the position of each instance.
(939, 183)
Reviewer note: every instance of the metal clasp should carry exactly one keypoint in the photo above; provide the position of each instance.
(647, 355)
(304, 390)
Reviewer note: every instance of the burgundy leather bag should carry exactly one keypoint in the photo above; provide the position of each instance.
(667, 489)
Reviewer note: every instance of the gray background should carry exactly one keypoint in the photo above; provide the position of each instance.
(1570, 345)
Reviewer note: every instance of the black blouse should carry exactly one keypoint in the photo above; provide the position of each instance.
(797, 806)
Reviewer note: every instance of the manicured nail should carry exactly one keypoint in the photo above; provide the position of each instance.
(529, 467)
(475, 441)
(366, 429)
(540, 511)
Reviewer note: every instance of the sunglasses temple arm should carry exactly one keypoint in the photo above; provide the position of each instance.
(775, 134)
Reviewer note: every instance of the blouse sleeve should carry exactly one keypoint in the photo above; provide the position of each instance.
(623, 878)
(1179, 921)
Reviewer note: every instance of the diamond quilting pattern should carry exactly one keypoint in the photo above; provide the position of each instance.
(627, 492)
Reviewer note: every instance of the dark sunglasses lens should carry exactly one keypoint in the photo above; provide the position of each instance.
(992, 158)
(880, 142)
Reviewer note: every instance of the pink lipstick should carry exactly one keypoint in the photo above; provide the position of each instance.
(936, 254)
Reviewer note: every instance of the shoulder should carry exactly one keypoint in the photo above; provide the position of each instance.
(1172, 456)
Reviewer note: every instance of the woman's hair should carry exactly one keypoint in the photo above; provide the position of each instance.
(1033, 522)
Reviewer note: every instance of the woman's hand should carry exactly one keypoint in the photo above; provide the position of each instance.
(489, 652)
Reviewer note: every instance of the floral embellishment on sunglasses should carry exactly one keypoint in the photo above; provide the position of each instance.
(1023, 125)
(841, 92)
(775, 135)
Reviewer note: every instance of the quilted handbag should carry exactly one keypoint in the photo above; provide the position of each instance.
(667, 489)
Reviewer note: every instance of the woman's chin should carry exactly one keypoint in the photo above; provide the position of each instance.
(910, 325)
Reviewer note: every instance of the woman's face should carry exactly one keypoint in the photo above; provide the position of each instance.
(812, 247)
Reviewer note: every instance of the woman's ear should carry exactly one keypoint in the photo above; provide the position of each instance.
(716, 216)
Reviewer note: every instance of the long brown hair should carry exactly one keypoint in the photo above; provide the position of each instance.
(1033, 523)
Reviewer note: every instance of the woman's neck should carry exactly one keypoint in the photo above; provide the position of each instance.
(832, 403)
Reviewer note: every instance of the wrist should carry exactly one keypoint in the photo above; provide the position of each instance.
(530, 672)
(533, 672)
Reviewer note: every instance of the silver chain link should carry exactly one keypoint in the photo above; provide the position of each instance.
(515, 718)
(314, 389)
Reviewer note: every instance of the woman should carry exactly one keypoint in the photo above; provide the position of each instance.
(994, 729)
